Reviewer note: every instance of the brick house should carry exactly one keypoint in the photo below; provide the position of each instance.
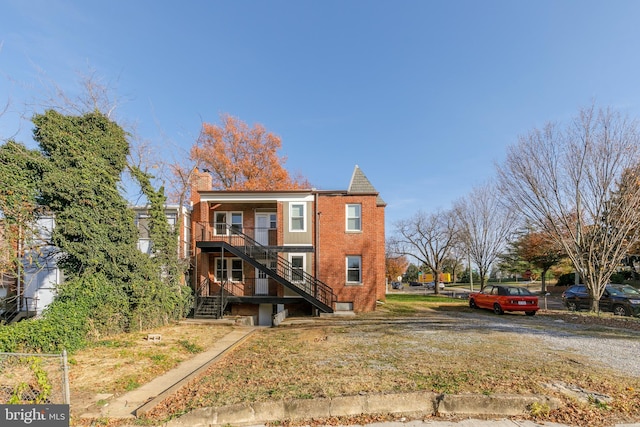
(264, 253)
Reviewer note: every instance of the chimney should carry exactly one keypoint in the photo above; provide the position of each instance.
(200, 181)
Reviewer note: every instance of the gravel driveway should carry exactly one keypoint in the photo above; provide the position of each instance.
(613, 347)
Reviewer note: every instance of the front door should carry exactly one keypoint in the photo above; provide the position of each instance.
(262, 228)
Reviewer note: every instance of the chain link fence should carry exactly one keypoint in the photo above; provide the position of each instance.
(34, 378)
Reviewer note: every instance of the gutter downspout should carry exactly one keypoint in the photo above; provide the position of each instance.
(315, 232)
(316, 243)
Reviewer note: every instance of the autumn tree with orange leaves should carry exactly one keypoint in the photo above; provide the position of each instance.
(243, 158)
(395, 266)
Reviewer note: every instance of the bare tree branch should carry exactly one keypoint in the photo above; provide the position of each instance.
(485, 226)
(427, 238)
(579, 184)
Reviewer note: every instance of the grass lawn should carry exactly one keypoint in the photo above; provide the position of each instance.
(410, 343)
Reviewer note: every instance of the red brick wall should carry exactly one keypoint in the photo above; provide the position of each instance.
(335, 243)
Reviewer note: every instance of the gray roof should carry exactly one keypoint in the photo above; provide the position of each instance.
(360, 184)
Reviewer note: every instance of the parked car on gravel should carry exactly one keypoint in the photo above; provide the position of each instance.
(432, 285)
(621, 300)
(501, 298)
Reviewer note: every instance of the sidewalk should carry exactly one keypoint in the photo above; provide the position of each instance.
(138, 401)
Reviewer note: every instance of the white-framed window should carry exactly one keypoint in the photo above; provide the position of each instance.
(297, 217)
(228, 267)
(223, 221)
(354, 269)
(354, 217)
(220, 223)
(273, 221)
(297, 267)
(236, 221)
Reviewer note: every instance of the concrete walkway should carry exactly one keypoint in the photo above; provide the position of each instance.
(144, 398)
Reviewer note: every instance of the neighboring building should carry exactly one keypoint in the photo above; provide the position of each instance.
(41, 272)
(175, 214)
(29, 293)
(258, 253)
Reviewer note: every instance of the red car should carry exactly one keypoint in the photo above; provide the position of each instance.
(501, 298)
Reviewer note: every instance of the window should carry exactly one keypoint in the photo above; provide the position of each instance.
(354, 217)
(273, 224)
(226, 266)
(142, 222)
(236, 221)
(297, 268)
(223, 221)
(354, 269)
(297, 222)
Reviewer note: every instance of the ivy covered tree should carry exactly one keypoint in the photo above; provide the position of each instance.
(169, 267)
(110, 286)
(95, 229)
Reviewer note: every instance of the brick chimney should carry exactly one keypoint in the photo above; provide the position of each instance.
(200, 181)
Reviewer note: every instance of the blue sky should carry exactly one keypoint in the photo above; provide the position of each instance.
(423, 95)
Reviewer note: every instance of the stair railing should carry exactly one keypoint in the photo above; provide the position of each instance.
(302, 280)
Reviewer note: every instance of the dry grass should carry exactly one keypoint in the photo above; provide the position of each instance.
(124, 362)
(407, 345)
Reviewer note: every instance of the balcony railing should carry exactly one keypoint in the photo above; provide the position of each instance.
(234, 235)
(274, 265)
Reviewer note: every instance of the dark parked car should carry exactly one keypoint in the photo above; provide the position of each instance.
(432, 285)
(622, 300)
(396, 285)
